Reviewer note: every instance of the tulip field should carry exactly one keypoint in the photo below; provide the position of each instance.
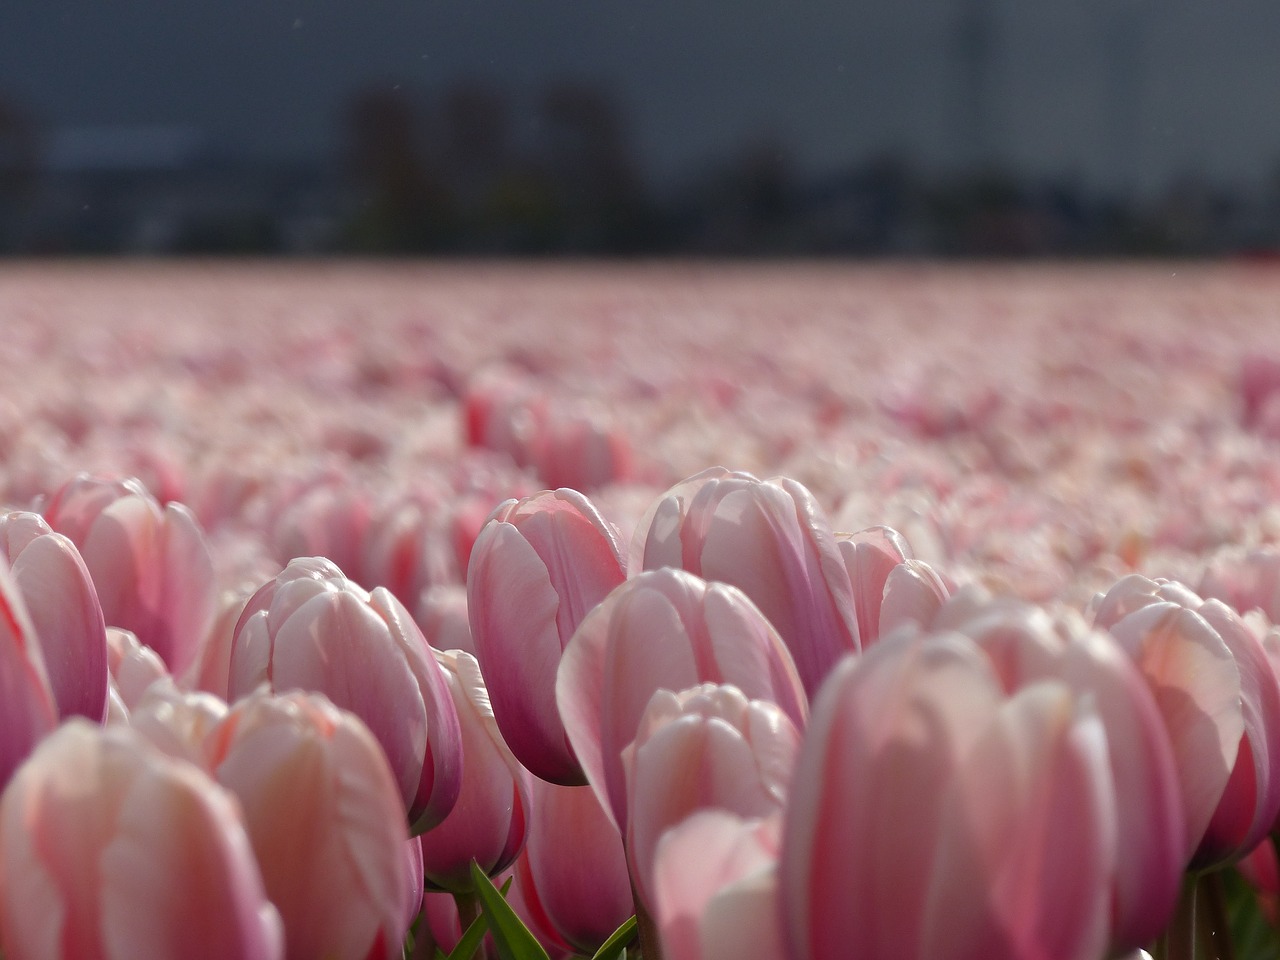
(766, 611)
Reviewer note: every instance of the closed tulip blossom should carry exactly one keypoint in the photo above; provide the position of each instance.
(324, 816)
(716, 888)
(28, 710)
(770, 539)
(178, 722)
(1024, 645)
(114, 851)
(1245, 580)
(133, 666)
(1220, 700)
(583, 448)
(584, 895)
(313, 629)
(406, 548)
(210, 670)
(663, 629)
(538, 567)
(490, 820)
(708, 747)
(890, 586)
(150, 563)
(62, 603)
(325, 517)
(931, 817)
(442, 615)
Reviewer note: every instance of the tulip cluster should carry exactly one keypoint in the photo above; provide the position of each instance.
(418, 646)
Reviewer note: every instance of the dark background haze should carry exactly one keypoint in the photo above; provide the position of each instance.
(532, 126)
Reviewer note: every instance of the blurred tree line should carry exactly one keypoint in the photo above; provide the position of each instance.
(554, 171)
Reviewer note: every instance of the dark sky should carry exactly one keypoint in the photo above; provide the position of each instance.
(1101, 90)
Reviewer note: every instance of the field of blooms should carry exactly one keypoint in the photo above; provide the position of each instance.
(702, 612)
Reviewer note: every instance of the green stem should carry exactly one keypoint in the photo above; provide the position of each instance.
(468, 905)
(1200, 927)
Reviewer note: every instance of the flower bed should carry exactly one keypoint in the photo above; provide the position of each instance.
(428, 574)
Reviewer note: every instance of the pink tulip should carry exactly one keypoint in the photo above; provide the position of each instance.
(177, 722)
(505, 411)
(538, 567)
(931, 817)
(312, 629)
(890, 587)
(62, 603)
(708, 747)
(1259, 386)
(406, 549)
(442, 614)
(325, 819)
(583, 449)
(663, 629)
(113, 851)
(150, 564)
(489, 821)
(211, 669)
(586, 895)
(870, 556)
(913, 594)
(716, 888)
(74, 507)
(1220, 700)
(1026, 646)
(326, 517)
(28, 710)
(133, 667)
(770, 539)
(1245, 581)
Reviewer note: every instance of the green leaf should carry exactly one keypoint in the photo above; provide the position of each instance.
(618, 941)
(513, 939)
(1253, 935)
(470, 940)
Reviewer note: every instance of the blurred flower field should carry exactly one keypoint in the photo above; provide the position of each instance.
(795, 610)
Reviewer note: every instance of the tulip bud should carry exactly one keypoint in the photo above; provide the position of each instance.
(870, 556)
(407, 550)
(327, 517)
(211, 668)
(62, 603)
(1220, 701)
(442, 615)
(489, 821)
(708, 747)
(1025, 646)
(584, 896)
(537, 568)
(663, 629)
(716, 888)
(312, 629)
(324, 816)
(133, 667)
(932, 817)
(770, 539)
(150, 564)
(27, 707)
(112, 849)
(177, 722)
